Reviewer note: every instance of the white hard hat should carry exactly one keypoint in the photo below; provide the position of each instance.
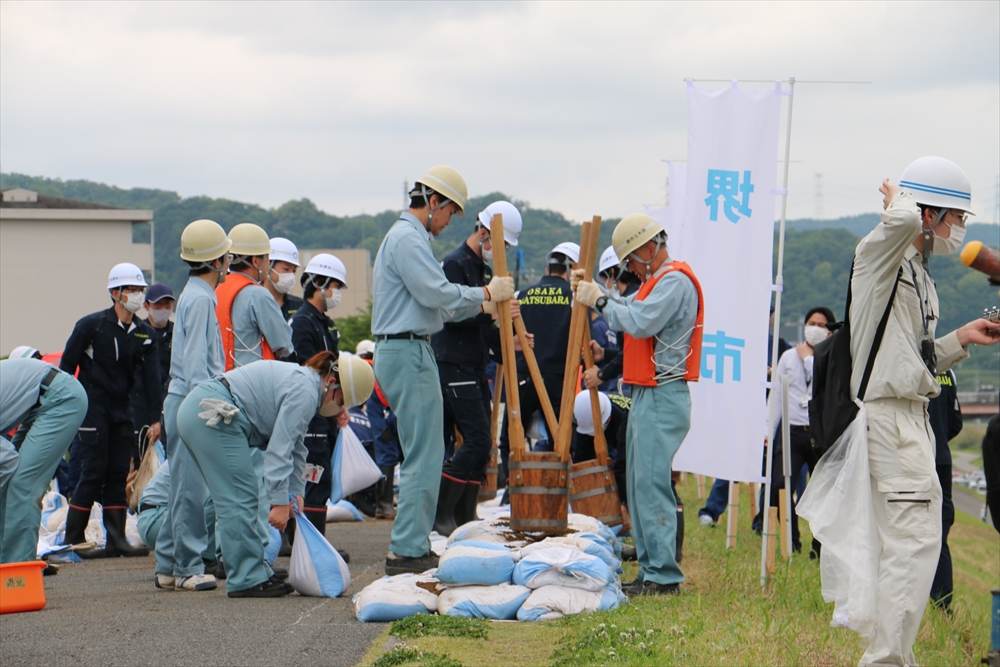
(325, 264)
(569, 249)
(511, 219)
(126, 275)
(608, 259)
(937, 182)
(24, 352)
(365, 347)
(584, 413)
(283, 250)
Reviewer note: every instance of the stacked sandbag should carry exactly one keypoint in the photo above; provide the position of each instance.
(591, 544)
(565, 580)
(474, 563)
(397, 597)
(551, 602)
(500, 602)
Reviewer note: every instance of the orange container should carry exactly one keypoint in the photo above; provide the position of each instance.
(21, 587)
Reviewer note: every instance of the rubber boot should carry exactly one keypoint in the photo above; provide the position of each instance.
(118, 544)
(465, 511)
(448, 497)
(76, 525)
(383, 494)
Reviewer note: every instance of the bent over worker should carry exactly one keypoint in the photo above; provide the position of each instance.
(266, 405)
(412, 298)
(662, 348)
(49, 405)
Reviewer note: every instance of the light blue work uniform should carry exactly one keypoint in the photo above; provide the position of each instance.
(659, 420)
(49, 418)
(255, 313)
(412, 294)
(276, 402)
(196, 356)
(153, 510)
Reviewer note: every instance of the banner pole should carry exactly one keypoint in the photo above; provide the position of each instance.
(786, 469)
(778, 282)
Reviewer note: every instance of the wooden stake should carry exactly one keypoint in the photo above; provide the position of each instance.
(771, 545)
(786, 547)
(515, 430)
(536, 378)
(489, 489)
(732, 520)
(701, 487)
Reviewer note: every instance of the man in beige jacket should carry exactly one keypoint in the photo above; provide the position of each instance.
(926, 213)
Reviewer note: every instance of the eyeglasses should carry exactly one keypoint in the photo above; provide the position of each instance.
(962, 216)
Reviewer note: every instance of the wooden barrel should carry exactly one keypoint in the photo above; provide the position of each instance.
(488, 491)
(592, 491)
(538, 493)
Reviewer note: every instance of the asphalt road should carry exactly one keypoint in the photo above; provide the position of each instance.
(107, 612)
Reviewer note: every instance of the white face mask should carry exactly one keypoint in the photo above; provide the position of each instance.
(284, 283)
(333, 301)
(487, 255)
(159, 315)
(133, 302)
(951, 244)
(331, 409)
(816, 335)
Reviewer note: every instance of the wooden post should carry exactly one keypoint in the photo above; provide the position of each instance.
(536, 378)
(515, 429)
(684, 476)
(701, 487)
(786, 544)
(771, 546)
(732, 520)
(578, 321)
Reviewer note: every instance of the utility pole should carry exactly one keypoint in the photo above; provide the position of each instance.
(819, 196)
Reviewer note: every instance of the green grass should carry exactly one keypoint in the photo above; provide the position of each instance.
(971, 437)
(723, 617)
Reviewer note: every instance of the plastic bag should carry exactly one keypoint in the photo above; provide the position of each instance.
(563, 566)
(476, 563)
(499, 602)
(393, 598)
(148, 464)
(342, 510)
(838, 506)
(551, 602)
(316, 569)
(353, 468)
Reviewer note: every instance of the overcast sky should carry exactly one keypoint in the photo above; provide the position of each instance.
(570, 106)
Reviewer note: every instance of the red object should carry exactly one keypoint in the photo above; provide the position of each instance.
(639, 367)
(227, 292)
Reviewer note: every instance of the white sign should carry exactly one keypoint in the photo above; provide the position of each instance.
(726, 235)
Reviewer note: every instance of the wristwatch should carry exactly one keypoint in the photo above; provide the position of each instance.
(600, 303)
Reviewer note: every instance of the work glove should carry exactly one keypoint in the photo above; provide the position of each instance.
(215, 410)
(501, 288)
(490, 307)
(587, 293)
(575, 276)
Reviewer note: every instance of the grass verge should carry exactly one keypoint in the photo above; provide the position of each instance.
(723, 618)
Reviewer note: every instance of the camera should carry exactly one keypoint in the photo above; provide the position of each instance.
(928, 354)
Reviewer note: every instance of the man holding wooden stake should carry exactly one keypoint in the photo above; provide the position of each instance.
(662, 348)
(412, 298)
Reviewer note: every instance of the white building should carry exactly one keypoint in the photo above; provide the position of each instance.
(55, 255)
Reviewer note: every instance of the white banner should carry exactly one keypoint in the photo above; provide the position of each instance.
(726, 235)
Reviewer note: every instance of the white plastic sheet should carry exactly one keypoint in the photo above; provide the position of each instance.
(353, 468)
(838, 506)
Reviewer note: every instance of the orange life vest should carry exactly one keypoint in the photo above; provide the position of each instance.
(639, 367)
(226, 292)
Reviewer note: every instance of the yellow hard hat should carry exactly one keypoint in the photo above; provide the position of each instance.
(204, 241)
(632, 232)
(357, 380)
(448, 183)
(250, 240)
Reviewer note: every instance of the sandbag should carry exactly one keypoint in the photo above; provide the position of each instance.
(474, 530)
(499, 602)
(591, 544)
(353, 468)
(551, 602)
(316, 569)
(342, 510)
(273, 545)
(838, 505)
(394, 598)
(563, 566)
(476, 563)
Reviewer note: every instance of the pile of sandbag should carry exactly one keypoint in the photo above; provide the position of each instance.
(487, 571)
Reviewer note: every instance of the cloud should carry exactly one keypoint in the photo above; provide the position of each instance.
(568, 105)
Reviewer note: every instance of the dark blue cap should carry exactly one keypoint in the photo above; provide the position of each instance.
(159, 291)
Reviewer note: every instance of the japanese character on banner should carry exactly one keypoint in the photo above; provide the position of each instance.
(725, 184)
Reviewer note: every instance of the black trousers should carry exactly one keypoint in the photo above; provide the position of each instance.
(942, 588)
(530, 404)
(801, 455)
(319, 441)
(467, 404)
(106, 441)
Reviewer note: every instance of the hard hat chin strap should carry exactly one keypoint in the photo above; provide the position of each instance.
(929, 240)
(656, 251)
